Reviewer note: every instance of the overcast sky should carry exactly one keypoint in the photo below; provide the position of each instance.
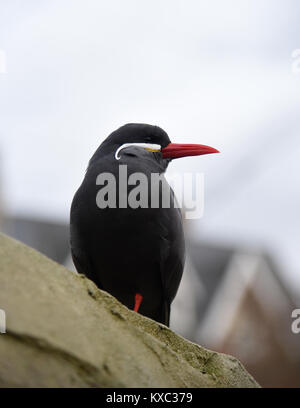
(211, 72)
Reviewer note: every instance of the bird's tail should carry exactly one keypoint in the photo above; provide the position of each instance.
(165, 315)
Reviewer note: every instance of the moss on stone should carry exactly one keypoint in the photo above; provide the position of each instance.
(62, 331)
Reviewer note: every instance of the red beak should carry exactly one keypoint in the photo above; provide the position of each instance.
(175, 150)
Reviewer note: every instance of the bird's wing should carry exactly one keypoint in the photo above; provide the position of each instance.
(80, 240)
(173, 253)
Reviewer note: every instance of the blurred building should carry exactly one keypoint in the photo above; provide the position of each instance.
(240, 306)
(231, 301)
(50, 238)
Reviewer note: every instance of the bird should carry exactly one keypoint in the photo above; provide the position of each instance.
(135, 254)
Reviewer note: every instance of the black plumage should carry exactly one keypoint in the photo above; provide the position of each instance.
(135, 254)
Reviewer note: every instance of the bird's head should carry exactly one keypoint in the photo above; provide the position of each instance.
(151, 138)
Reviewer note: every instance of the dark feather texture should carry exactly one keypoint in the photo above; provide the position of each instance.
(124, 250)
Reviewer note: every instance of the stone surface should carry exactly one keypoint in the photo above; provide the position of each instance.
(61, 331)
